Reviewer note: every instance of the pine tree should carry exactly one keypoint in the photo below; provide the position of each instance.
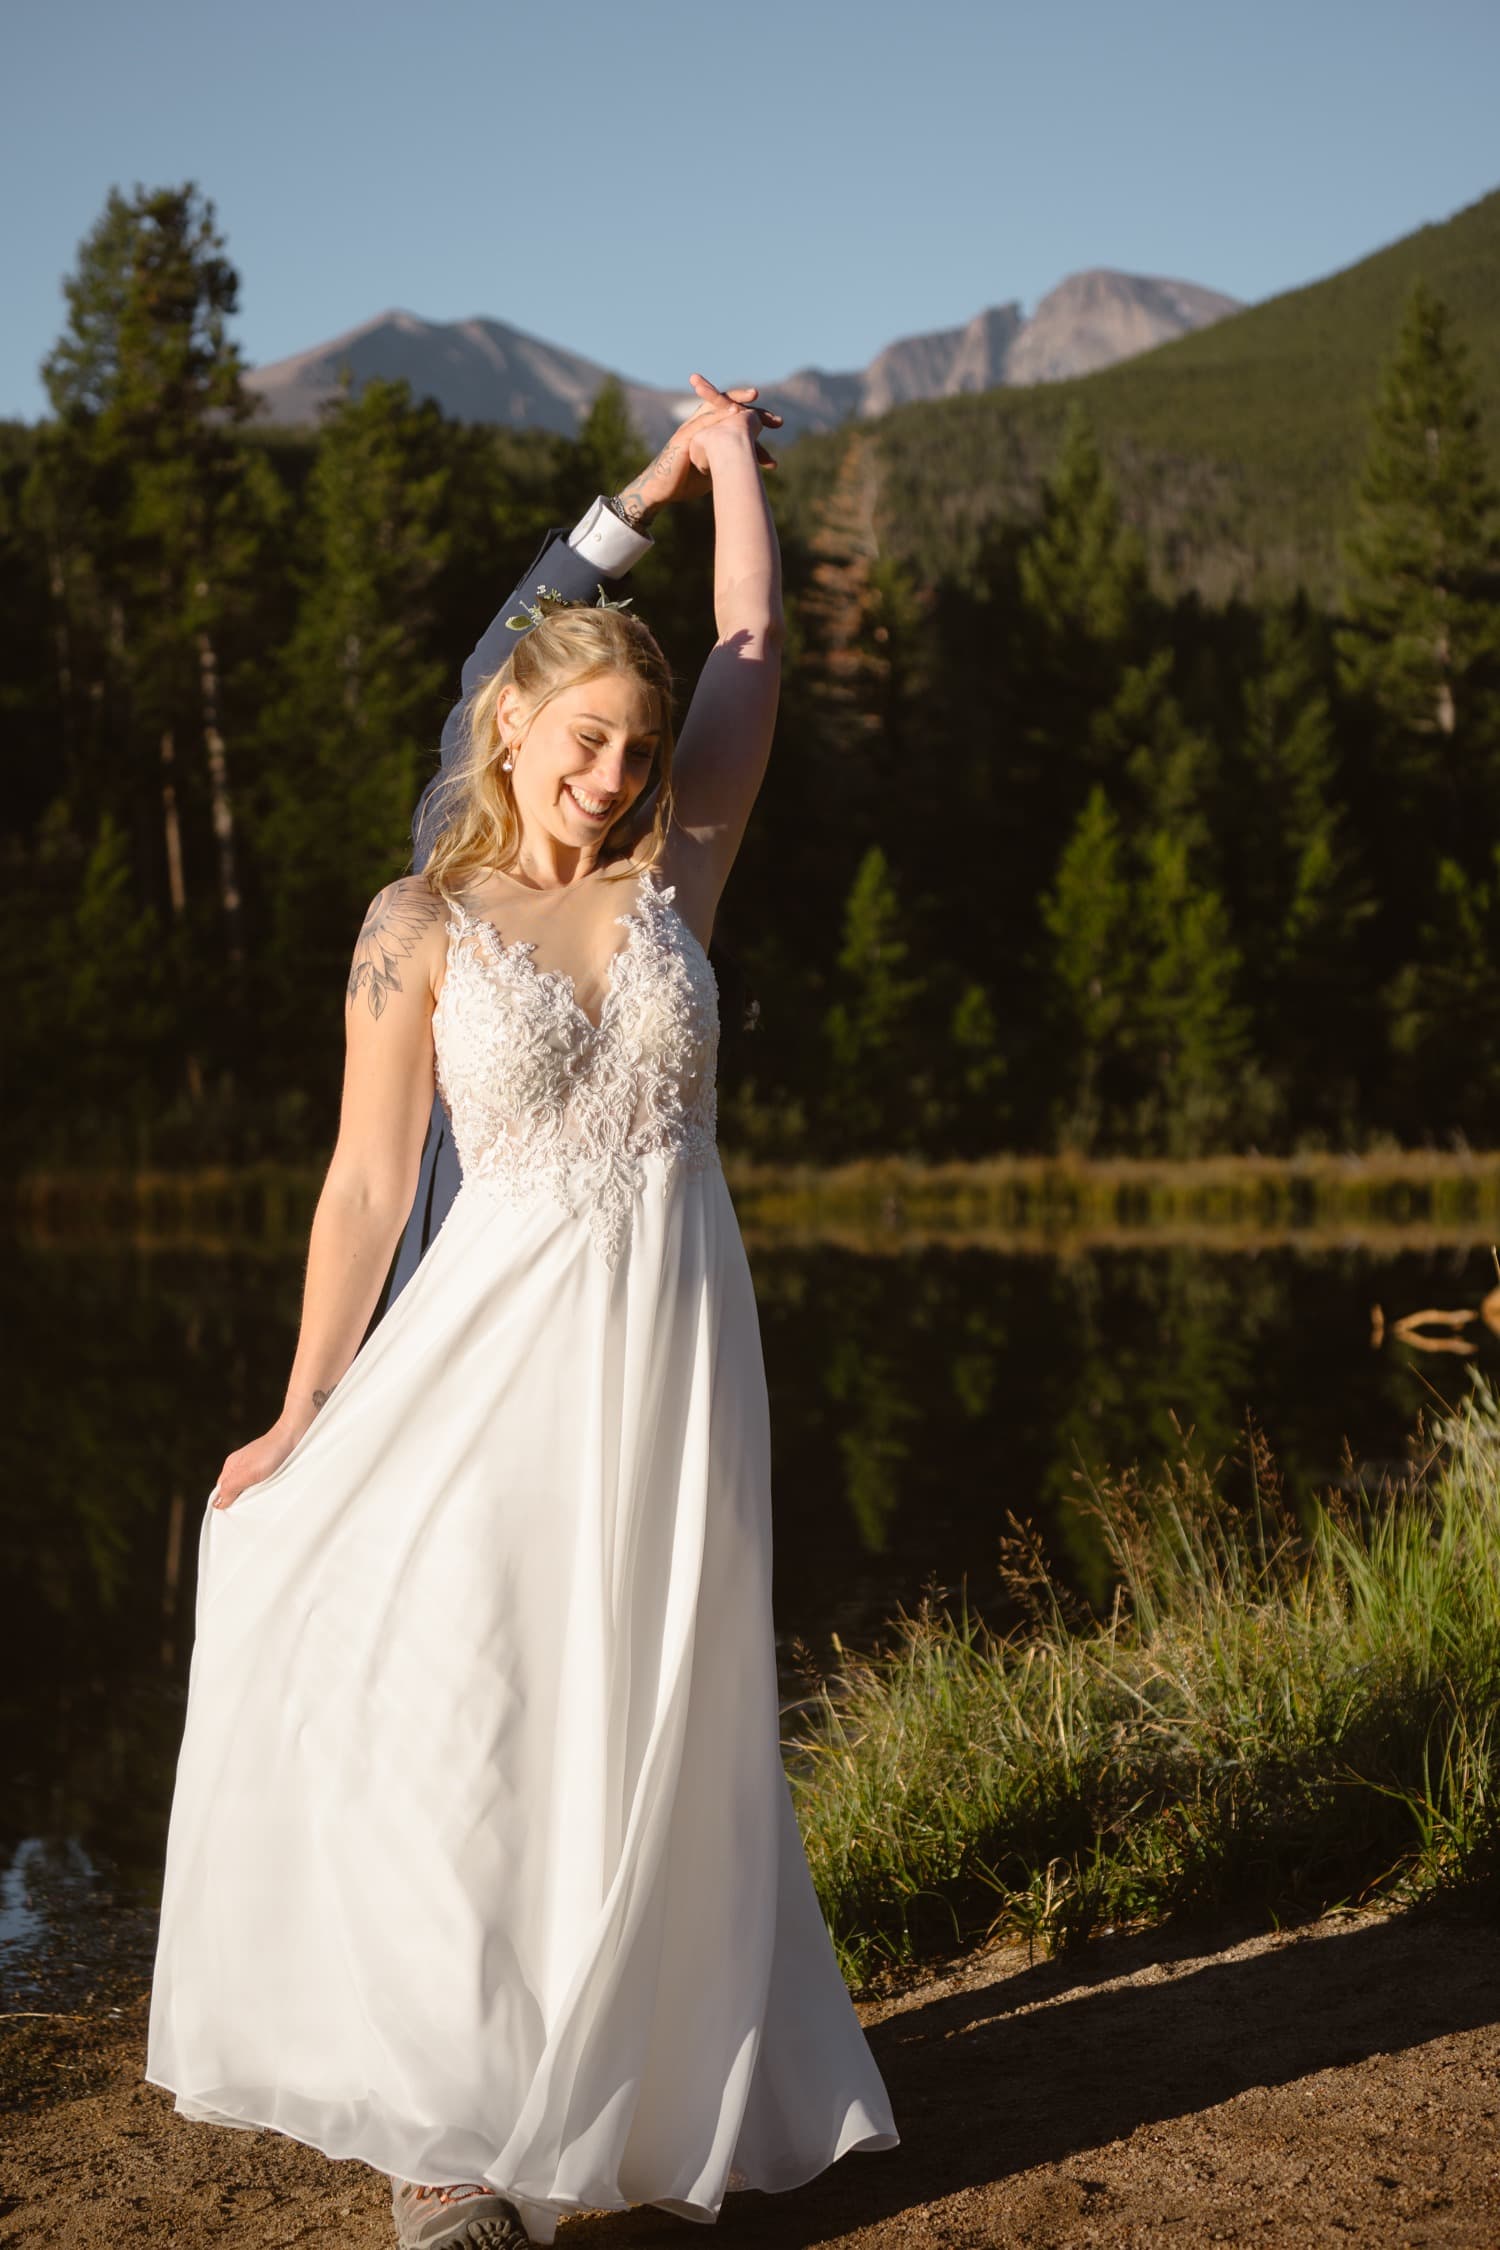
(1445, 1013)
(1419, 646)
(1083, 574)
(1146, 980)
(974, 1117)
(841, 722)
(1194, 1031)
(148, 469)
(113, 970)
(1419, 668)
(94, 1019)
(1098, 714)
(1085, 625)
(874, 1097)
(610, 448)
(1151, 758)
(360, 686)
(1300, 900)
(843, 760)
(1088, 912)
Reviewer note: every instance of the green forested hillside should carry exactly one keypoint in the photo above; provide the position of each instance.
(1236, 450)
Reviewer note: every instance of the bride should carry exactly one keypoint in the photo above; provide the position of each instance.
(482, 1864)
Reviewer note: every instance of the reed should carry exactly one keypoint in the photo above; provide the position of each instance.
(214, 1208)
(1077, 1195)
(1277, 1715)
(878, 1203)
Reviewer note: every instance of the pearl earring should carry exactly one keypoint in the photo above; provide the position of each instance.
(507, 761)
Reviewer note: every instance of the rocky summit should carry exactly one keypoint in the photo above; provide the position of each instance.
(486, 371)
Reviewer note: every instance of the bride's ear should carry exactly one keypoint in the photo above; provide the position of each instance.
(505, 715)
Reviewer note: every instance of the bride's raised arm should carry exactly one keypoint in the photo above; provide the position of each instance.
(725, 740)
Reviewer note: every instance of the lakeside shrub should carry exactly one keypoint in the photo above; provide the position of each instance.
(1277, 1715)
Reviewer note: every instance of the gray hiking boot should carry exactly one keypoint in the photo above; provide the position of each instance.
(455, 2218)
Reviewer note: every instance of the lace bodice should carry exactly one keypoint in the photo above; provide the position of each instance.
(544, 1101)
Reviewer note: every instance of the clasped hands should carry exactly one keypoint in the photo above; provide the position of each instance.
(683, 468)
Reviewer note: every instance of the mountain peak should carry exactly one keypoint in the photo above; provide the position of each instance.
(483, 370)
(1097, 317)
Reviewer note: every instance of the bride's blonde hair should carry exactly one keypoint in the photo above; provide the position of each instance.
(474, 807)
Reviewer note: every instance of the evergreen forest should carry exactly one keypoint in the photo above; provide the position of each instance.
(1136, 786)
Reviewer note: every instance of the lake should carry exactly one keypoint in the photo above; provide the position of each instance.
(919, 1397)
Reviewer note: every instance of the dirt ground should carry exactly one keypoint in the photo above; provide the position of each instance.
(1337, 2084)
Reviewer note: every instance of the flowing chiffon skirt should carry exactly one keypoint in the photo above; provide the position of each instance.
(482, 1861)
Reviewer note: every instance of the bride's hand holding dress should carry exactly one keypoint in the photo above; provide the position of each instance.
(367, 1191)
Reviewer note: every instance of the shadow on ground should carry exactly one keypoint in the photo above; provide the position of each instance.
(1339, 2082)
(1022, 2070)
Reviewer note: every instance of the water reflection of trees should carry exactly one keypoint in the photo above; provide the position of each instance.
(1156, 1343)
(933, 1394)
(130, 1379)
(917, 1400)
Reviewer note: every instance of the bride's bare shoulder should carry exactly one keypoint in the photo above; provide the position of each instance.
(400, 945)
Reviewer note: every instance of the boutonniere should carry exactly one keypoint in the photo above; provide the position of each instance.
(549, 599)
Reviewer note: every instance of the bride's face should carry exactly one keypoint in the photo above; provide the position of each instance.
(584, 759)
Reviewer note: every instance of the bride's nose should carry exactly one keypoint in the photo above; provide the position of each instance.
(607, 773)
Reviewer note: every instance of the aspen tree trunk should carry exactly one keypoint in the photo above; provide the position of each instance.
(1447, 715)
(176, 885)
(172, 825)
(221, 800)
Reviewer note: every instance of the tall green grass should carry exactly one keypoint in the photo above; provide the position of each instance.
(1277, 1716)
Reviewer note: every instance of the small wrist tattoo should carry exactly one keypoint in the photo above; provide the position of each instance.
(631, 506)
(321, 1398)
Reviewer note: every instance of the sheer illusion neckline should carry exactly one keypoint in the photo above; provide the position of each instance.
(612, 869)
(521, 952)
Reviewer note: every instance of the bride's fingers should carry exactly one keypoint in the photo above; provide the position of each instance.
(743, 393)
(736, 394)
(737, 398)
(767, 414)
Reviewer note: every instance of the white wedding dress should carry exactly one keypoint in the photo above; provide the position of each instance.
(482, 1861)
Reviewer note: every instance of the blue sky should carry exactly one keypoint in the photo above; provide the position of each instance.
(743, 189)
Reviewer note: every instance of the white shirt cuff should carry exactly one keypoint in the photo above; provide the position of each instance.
(607, 542)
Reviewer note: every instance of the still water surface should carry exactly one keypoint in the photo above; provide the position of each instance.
(918, 1398)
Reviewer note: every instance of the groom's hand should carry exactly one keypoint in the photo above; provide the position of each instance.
(672, 476)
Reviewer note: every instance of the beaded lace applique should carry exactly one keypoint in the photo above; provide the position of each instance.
(542, 1100)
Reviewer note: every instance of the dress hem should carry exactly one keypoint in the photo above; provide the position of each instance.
(703, 2214)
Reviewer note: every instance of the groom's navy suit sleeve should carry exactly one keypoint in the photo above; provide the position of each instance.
(561, 568)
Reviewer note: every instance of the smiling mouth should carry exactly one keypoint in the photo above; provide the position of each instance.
(592, 808)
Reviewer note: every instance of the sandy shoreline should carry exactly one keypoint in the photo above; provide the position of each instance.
(1336, 2084)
